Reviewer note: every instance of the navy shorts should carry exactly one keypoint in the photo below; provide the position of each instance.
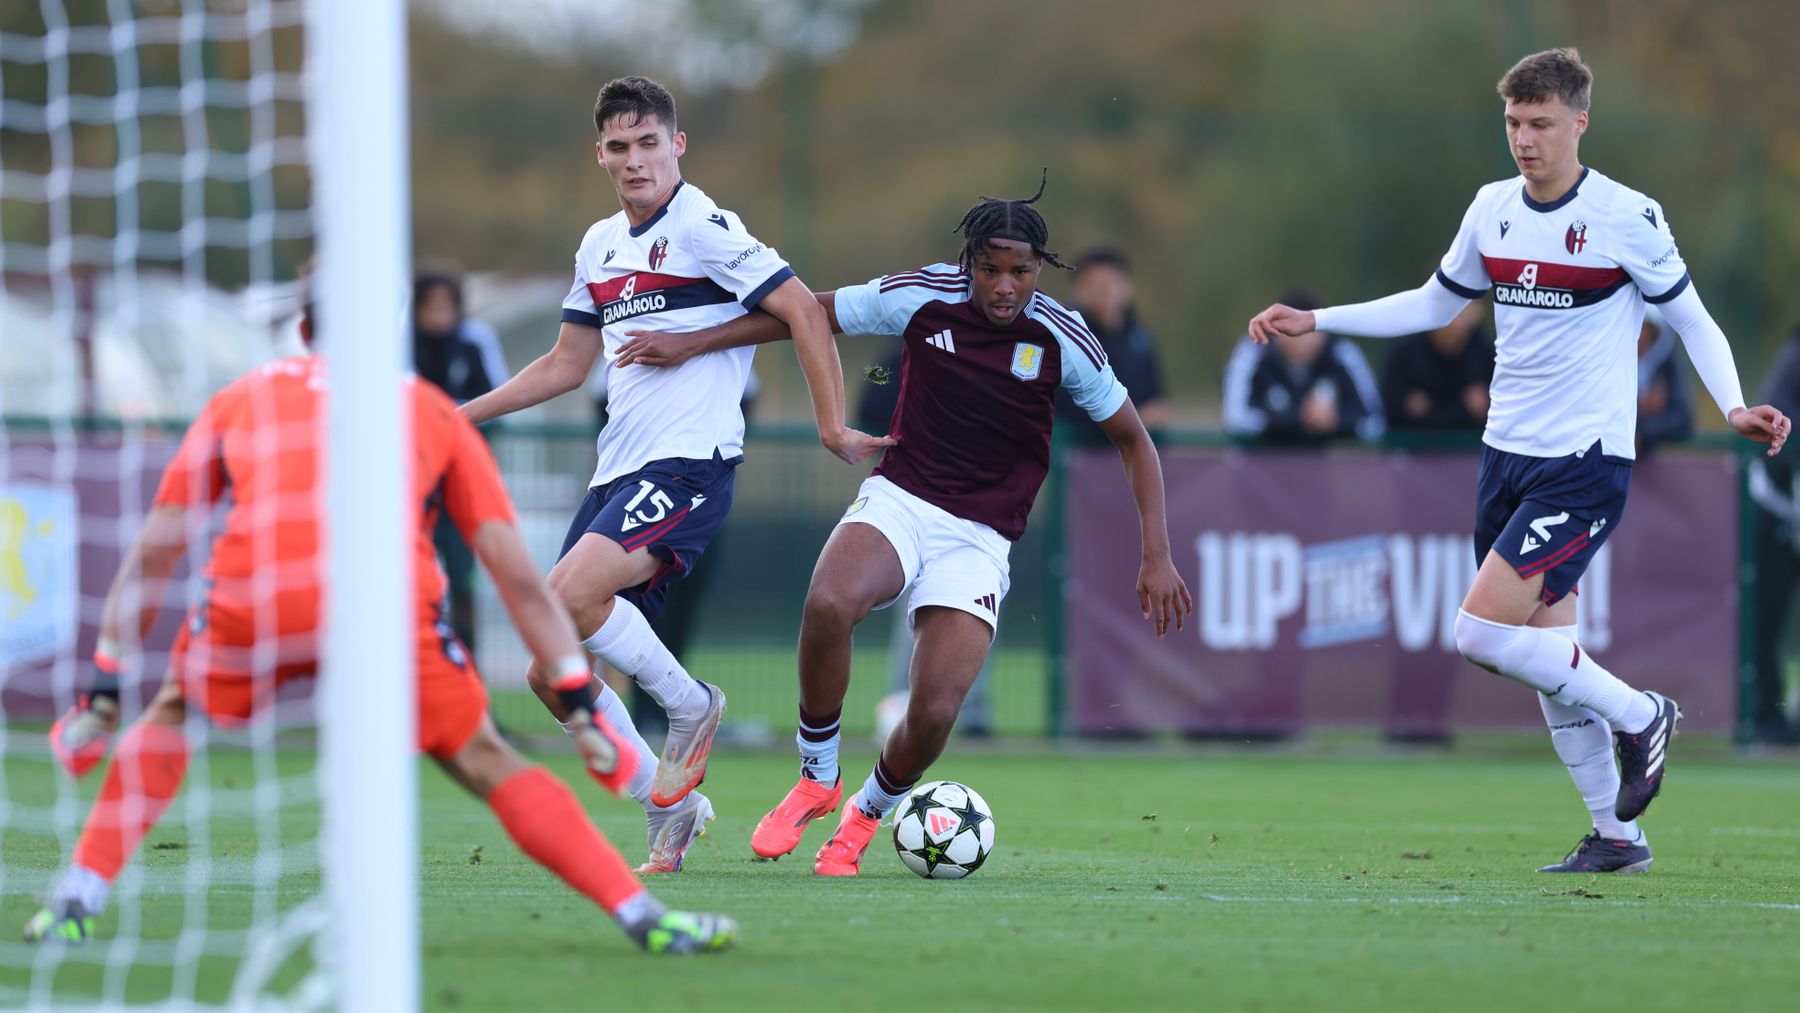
(673, 507)
(1549, 515)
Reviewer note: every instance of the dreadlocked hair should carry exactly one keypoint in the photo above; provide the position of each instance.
(995, 218)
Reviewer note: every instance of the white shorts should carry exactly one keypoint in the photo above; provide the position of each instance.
(947, 560)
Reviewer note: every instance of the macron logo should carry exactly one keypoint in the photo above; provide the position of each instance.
(942, 340)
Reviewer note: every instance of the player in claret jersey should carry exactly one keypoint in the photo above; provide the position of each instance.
(1571, 258)
(670, 259)
(258, 442)
(984, 355)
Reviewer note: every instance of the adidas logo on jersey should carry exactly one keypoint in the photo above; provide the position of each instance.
(989, 602)
(942, 340)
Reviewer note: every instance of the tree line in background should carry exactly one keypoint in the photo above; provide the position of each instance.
(1231, 149)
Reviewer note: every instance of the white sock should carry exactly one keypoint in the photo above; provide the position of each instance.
(880, 792)
(636, 908)
(1583, 740)
(818, 743)
(85, 887)
(626, 642)
(613, 709)
(1553, 665)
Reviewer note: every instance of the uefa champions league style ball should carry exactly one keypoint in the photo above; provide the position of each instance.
(943, 830)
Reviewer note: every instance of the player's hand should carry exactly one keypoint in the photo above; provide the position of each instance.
(656, 348)
(1763, 424)
(1279, 319)
(1163, 595)
(609, 758)
(854, 446)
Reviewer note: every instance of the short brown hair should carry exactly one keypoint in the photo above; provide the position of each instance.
(1553, 72)
(636, 97)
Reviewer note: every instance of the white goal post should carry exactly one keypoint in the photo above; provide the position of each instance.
(357, 78)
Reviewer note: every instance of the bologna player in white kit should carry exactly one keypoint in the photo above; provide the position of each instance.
(985, 353)
(1571, 258)
(670, 258)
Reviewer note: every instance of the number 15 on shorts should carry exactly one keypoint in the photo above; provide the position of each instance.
(649, 506)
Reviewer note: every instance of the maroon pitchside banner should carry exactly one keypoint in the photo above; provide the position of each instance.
(68, 511)
(1326, 587)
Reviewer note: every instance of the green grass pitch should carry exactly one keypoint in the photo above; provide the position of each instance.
(1192, 880)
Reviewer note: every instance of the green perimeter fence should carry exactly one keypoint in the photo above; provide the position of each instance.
(737, 620)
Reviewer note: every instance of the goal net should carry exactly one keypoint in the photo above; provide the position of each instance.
(168, 168)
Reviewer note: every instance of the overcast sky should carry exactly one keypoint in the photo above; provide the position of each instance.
(703, 43)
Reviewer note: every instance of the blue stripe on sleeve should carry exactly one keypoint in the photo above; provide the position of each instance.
(766, 287)
(585, 319)
(1678, 288)
(1463, 290)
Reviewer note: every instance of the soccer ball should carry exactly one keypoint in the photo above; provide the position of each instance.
(943, 830)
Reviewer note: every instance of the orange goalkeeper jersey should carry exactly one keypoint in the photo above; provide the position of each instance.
(260, 439)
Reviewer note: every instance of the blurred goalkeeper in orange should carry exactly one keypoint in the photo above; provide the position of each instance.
(256, 627)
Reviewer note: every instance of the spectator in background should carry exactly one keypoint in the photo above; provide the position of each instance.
(1103, 295)
(1301, 391)
(1439, 379)
(462, 356)
(1665, 410)
(1774, 491)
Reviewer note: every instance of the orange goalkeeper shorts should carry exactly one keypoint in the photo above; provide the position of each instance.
(232, 682)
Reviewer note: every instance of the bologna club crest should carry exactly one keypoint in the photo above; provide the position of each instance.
(659, 253)
(1573, 240)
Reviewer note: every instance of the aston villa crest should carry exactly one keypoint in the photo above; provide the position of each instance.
(1027, 361)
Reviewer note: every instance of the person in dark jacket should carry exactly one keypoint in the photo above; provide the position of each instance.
(1439, 379)
(462, 357)
(1103, 295)
(1665, 409)
(1301, 391)
(1777, 498)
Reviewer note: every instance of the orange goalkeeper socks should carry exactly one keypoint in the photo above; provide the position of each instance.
(145, 773)
(546, 821)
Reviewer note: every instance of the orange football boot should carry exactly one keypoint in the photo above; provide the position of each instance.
(843, 854)
(779, 832)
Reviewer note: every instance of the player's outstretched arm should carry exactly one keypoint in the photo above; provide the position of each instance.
(1161, 591)
(137, 590)
(666, 348)
(560, 370)
(1712, 359)
(1426, 308)
(669, 348)
(544, 624)
(812, 328)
